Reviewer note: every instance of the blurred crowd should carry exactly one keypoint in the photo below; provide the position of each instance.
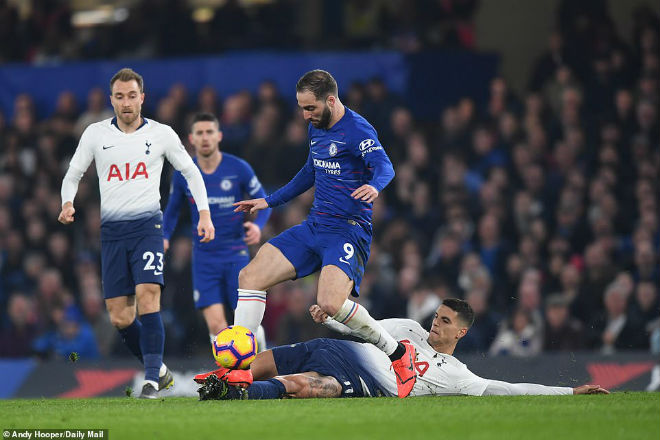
(540, 210)
(47, 34)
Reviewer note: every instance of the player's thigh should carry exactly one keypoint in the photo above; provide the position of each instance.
(300, 247)
(146, 257)
(121, 310)
(269, 267)
(348, 251)
(215, 318)
(333, 289)
(263, 366)
(116, 270)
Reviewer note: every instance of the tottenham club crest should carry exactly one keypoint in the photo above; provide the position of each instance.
(225, 184)
(332, 149)
(148, 145)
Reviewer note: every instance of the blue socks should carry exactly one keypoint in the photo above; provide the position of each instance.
(131, 337)
(266, 389)
(152, 342)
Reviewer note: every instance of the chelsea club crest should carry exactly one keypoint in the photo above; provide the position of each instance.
(332, 149)
(225, 184)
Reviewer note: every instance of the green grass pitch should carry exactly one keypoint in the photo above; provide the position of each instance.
(617, 416)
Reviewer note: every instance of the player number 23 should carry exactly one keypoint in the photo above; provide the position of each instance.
(348, 248)
(149, 256)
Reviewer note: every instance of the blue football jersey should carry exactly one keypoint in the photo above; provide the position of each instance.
(340, 160)
(229, 183)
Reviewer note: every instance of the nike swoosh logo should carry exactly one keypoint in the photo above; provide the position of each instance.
(314, 152)
(157, 273)
(111, 146)
(312, 142)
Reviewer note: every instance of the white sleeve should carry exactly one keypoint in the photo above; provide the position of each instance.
(77, 167)
(390, 325)
(180, 159)
(393, 326)
(196, 185)
(499, 388)
(337, 326)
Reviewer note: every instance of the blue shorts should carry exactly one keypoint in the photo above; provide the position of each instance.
(310, 246)
(127, 263)
(215, 282)
(329, 357)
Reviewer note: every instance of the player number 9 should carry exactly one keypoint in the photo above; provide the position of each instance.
(348, 248)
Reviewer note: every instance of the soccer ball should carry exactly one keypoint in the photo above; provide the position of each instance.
(234, 347)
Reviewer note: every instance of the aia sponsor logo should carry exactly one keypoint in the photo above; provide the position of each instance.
(127, 172)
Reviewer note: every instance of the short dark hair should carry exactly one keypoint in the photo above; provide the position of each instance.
(462, 308)
(319, 82)
(127, 74)
(204, 117)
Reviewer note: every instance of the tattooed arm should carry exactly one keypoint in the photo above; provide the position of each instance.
(310, 385)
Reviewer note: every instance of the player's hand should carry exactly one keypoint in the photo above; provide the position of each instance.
(205, 226)
(365, 193)
(250, 206)
(166, 244)
(318, 315)
(252, 233)
(66, 215)
(590, 389)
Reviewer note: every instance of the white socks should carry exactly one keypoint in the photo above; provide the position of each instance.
(260, 335)
(250, 309)
(363, 325)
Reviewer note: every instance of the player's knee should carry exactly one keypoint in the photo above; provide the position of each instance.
(329, 305)
(216, 325)
(247, 278)
(121, 320)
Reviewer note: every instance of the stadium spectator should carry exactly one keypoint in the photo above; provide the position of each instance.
(70, 336)
(96, 111)
(519, 338)
(615, 329)
(485, 327)
(19, 331)
(562, 332)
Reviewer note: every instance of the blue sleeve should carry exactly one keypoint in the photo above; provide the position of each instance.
(256, 191)
(383, 169)
(302, 181)
(171, 214)
(374, 156)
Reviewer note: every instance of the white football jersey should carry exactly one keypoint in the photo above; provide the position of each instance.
(129, 166)
(437, 373)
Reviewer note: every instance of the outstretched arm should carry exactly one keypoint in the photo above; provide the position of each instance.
(320, 317)
(310, 385)
(302, 181)
(499, 388)
(298, 185)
